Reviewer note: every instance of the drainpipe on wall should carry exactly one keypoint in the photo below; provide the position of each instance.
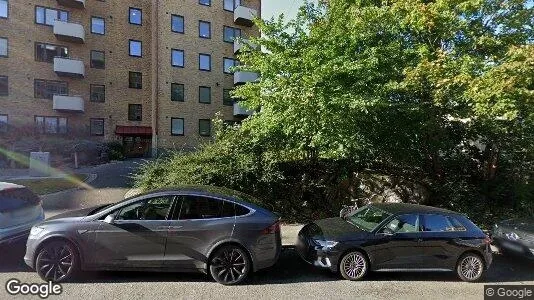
(155, 74)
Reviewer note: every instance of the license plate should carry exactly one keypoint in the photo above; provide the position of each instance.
(512, 246)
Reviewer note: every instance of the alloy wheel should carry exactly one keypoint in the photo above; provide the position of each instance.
(471, 267)
(229, 265)
(354, 266)
(55, 262)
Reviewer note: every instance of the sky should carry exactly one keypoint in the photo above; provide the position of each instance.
(274, 8)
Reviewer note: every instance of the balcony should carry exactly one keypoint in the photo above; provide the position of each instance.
(68, 103)
(72, 3)
(240, 111)
(69, 32)
(239, 44)
(69, 67)
(244, 16)
(242, 77)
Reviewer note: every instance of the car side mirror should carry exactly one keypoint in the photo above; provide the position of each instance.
(110, 219)
(386, 232)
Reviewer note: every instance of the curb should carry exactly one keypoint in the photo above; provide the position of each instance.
(90, 178)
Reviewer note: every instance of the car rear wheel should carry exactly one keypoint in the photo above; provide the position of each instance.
(229, 265)
(57, 261)
(470, 267)
(354, 265)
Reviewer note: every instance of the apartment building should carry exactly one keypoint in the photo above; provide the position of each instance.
(150, 74)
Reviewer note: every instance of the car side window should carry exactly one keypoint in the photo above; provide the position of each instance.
(402, 224)
(241, 210)
(437, 223)
(198, 207)
(153, 209)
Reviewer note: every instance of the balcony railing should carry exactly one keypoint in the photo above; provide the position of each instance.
(242, 77)
(69, 67)
(69, 31)
(72, 3)
(68, 103)
(240, 111)
(240, 43)
(244, 16)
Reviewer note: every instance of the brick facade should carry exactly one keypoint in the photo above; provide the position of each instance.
(22, 68)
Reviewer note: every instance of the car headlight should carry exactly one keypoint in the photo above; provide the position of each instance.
(36, 230)
(326, 244)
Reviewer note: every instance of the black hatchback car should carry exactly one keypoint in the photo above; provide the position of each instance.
(396, 237)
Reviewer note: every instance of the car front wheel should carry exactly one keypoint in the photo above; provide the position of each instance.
(229, 265)
(354, 265)
(470, 267)
(57, 261)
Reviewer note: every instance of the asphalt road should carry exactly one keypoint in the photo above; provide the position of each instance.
(290, 278)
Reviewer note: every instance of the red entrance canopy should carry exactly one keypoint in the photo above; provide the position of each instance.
(133, 130)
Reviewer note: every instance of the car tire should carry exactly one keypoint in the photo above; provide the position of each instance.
(229, 265)
(470, 267)
(57, 261)
(354, 266)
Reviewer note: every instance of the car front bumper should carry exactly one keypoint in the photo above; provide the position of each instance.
(318, 256)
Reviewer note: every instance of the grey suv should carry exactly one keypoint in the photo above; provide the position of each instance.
(214, 230)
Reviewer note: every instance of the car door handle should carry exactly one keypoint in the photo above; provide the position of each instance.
(162, 227)
(175, 227)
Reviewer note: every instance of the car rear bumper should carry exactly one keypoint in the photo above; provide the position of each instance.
(515, 247)
(13, 234)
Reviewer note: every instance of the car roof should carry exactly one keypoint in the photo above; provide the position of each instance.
(229, 194)
(8, 186)
(407, 208)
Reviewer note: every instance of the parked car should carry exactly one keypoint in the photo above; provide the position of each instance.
(20, 209)
(207, 229)
(396, 237)
(515, 236)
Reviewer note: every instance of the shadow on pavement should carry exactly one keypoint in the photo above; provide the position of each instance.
(12, 257)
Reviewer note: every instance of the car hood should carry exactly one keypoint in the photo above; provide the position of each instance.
(80, 213)
(334, 229)
(524, 224)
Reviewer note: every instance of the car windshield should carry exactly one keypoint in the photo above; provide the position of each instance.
(368, 217)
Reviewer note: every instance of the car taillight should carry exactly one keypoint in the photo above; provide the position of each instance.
(272, 229)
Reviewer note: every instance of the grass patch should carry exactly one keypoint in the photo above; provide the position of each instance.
(51, 185)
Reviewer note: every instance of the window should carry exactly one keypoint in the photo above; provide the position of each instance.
(204, 29)
(135, 112)
(241, 210)
(437, 223)
(98, 25)
(4, 90)
(229, 63)
(204, 94)
(153, 209)
(46, 89)
(227, 98)
(135, 80)
(3, 123)
(47, 16)
(204, 127)
(230, 33)
(96, 127)
(47, 52)
(50, 125)
(98, 59)
(205, 2)
(3, 47)
(136, 48)
(204, 62)
(368, 217)
(3, 9)
(402, 224)
(136, 16)
(229, 5)
(177, 126)
(198, 207)
(98, 93)
(177, 58)
(177, 24)
(177, 92)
